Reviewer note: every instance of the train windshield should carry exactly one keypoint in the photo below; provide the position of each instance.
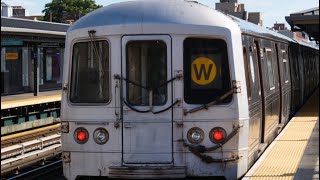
(206, 70)
(90, 72)
(147, 68)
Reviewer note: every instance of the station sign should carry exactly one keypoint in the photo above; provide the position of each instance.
(12, 56)
(49, 44)
(11, 43)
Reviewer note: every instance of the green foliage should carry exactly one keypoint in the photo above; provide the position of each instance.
(63, 10)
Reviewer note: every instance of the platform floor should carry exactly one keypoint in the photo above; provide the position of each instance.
(295, 152)
(18, 100)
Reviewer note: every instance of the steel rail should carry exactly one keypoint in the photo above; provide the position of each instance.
(26, 133)
(25, 147)
(25, 160)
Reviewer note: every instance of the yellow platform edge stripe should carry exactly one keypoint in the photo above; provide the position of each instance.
(30, 101)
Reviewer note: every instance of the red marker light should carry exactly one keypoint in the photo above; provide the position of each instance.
(81, 136)
(218, 135)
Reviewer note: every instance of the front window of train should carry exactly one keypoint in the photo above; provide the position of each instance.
(90, 72)
(206, 70)
(147, 68)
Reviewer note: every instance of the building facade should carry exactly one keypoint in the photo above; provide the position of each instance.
(233, 8)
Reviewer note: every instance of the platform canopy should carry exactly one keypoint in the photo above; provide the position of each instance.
(307, 21)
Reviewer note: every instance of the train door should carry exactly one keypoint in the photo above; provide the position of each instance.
(283, 71)
(254, 96)
(257, 53)
(147, 99)
(280, 80)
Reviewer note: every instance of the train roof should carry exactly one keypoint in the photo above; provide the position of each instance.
(155, 12)
(168, 12)
(250, 28)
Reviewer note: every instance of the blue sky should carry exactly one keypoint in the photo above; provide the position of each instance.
(272, 10)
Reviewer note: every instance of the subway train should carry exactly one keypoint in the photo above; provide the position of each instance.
(175, 89)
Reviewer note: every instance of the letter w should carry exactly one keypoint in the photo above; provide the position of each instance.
(202, 71)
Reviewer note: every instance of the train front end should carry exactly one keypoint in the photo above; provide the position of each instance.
(151, 90)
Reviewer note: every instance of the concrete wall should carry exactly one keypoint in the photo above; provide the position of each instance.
(233, 8)
(227, 7)
(255, 17)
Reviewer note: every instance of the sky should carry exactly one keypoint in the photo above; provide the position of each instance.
(272, 10)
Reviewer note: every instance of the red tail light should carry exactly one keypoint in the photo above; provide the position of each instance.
(81, 135)
(217, 134)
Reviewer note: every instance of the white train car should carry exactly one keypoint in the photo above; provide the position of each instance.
(157, 89)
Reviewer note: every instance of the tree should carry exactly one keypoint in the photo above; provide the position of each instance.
(62, 10)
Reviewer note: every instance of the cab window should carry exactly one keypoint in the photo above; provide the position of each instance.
(206, 70)
(90, 72)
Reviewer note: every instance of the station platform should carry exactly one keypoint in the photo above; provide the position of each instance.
(26, 99)
(295, 152)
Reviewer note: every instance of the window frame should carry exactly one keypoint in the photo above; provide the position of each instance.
(69, 83)
(127, 72)
(272, 68)
(285, 65)
(246, 69)
(185, 94)
(254, 67)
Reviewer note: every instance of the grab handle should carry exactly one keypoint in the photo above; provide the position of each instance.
(117, 106)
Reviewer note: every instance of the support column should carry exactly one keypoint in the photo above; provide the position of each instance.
(25, 69)
(61, 64)
(35, 70)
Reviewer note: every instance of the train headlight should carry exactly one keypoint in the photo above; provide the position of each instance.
(81, 135)
(101, 136)
(195, 135)
(217, 135)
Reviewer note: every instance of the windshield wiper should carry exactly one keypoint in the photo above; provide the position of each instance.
(214, 102)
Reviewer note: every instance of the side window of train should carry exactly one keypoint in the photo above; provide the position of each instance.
(254, 72)
(268, 57)
(285, 66)
(206, 70)
(90, 72)
(246, 68)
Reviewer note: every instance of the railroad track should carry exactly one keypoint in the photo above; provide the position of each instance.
(29, 135)
(29, 148)
(51, 170)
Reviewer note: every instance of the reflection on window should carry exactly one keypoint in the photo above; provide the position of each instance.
(246, 66)
(285, 67)
(206, 70)
(255, 83)
(147, 67)
(90, 72)
(252, 69)
(270, 68)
